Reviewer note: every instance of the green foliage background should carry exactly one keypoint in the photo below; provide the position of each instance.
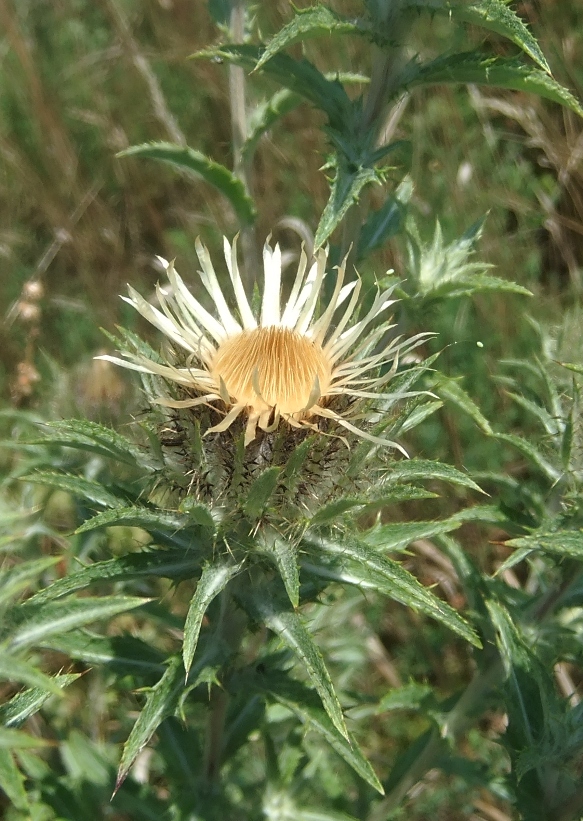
(449, 731)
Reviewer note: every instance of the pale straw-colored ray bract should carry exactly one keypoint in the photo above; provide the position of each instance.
(286, 365)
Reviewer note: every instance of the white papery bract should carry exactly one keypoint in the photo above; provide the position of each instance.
(287, 365)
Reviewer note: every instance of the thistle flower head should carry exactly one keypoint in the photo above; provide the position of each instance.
(291, 364)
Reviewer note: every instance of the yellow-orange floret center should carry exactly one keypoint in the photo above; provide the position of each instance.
(272, 368)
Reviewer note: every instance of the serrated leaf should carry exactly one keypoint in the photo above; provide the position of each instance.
(567, 439)
(15, 669)
(514, 559)
(263, 606)
(550, 423)
(299, 76)
(344, 193)
(76, 486)
(571, 366)
(420, 469)
(558, 542)
(408, 697)
(161, 701)
(267, 113)
(451, 390)
(405, 493)
(396, 536)
(260, 491)
(38, 622)
(497, 16)
(15, 579)
(301, 701)
(473, 67)
(510, 643)
(307, 23)
(90, 436)
(531, 453)
(190, 160)
(475, 284)
(284, 554)
(122, 654)
(214, 578)
(418, 415)
(26, 704)
(134, 516)
(12, 781)
(369, 569)
(169, 564)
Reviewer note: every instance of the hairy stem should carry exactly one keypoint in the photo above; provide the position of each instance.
(386, 66)
(241, 169)
(229, 630)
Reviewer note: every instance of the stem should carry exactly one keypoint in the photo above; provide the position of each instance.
(230, 630)
(214, 736)
(241, 169)
(383, 84)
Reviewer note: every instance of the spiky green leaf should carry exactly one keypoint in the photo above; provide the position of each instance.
(274, 613)
(284, 554)
(161, 701)
(194, 162)
(532, 453)
(451, 390)
(17, 740)
(197, 513)
(37, 622)
(268, 113)
(475, 284)
(301, 701)
(571, 366)
(77, 486)
(121, 654)
(345, 191)
(425, 469)
(384, 223)
(299, 76)
(558, 542)
(96, 438)
(168, 564)
(134, 516)
(473, 67)
(408, 697)
(307, 23)
(367, 568)
(497, 16)
(26, 704)
(214, 578)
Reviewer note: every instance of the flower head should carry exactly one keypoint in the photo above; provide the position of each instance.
(290, 364)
